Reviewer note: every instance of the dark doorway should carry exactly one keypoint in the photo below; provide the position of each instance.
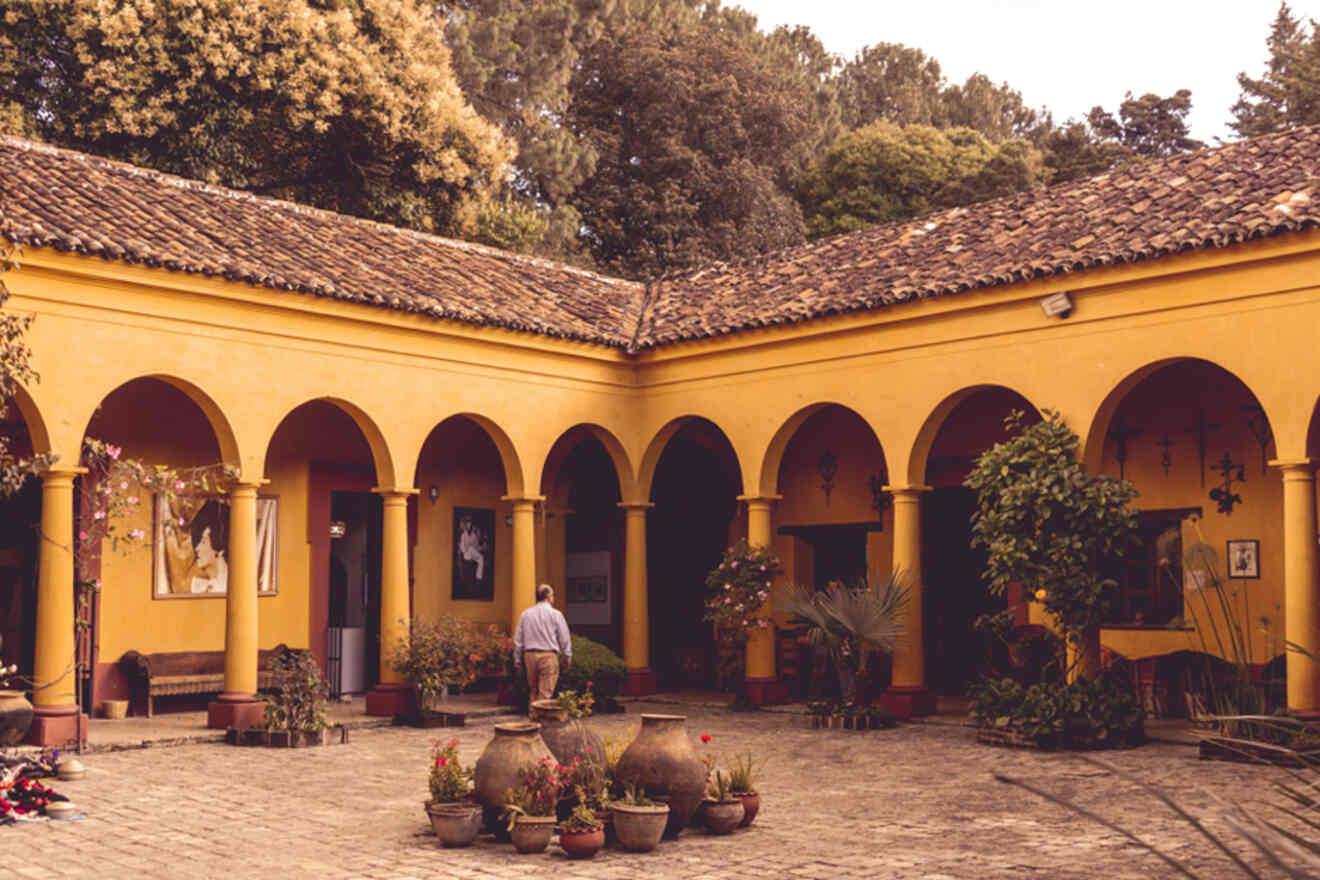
(354, 636)
(20, 519)
(695, 496)
(955, 593)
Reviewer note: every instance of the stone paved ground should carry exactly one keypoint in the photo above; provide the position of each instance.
(914, 802)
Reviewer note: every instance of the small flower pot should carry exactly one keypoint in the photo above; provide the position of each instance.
(751, 802)
(582, 844)
(531, 834)
(639, 828)
(723, 816)
(454, 824)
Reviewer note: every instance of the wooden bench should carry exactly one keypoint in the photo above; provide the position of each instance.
(185, 672)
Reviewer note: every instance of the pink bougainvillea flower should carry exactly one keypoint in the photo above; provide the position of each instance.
(132, 499)
(123, 484)
(113, 451)
(728, 601)
(728, 586)
(734, 564)
(178, 485)
(138, 534)
(763, 568)
(82, 536)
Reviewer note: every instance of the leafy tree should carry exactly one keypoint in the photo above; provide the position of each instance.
(1288, 94)
(894, 83)
(699, 136)
(1149, 126)
(1073, 151)
(884, 173)
(348, 105)
(996, 111)
(1046, 523)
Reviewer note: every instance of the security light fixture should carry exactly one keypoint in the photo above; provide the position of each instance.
(1057, 305)
(433, 493)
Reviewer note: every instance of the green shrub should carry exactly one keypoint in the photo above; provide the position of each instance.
(1101, 712)
(595, 663)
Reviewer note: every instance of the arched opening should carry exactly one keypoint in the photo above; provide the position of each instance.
(696, 484)
(20, 521)
(1196, 443)
(580, 543)
(464, 544)
(321, 470)
(831, 522)
(157, 596)
(955, 594)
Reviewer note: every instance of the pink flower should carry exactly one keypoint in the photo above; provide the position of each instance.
(178, 484)
(132, 499)
(761, 594)
(728, 601)
(100, 514)
(138, 534)
(123, 484)
(761, 623)
(113, 451)
(82, 536)
(763, 568)
(728, 586)
(734, 564)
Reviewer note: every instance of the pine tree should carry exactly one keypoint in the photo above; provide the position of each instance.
(1288, 94)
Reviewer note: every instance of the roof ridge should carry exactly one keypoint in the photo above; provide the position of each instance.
(190, 183)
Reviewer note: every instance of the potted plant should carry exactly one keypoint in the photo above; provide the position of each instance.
(530, 808)
(455, 816)
(437, 657)
(295, 713)
(741, 778)
(582, 834)
(639, 821)
(15, 710)
(723, 811)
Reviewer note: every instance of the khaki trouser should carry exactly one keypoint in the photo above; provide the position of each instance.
(542, 673)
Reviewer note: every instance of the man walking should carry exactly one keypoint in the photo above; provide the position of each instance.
(541, 636)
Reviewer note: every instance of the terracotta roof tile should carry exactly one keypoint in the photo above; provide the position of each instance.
(79, 203)
(1212, 198)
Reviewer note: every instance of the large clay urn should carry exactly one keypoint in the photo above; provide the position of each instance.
(662, 761)
(15, 717)
(516, 745)
(567, 738)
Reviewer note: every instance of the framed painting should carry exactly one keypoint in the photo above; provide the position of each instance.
(1244, 559)
(190, 547)
(474, 553)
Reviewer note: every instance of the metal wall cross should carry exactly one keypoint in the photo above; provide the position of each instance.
(1202, 430)
(1261, 430)
(1166, 460)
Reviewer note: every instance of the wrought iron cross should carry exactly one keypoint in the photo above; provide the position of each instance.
(1121, 433)
(1232, 473)
(1202, 430)
(827, 467)
(1166, 460)
(1261, 430)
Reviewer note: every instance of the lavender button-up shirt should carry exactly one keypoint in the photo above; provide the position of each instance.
(542, 628)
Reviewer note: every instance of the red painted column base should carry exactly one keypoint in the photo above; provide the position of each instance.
(639, 683)
(56, 726)
(766, 691)
(390, 699)
(239, 711)
(1310, 716)
(907, 702)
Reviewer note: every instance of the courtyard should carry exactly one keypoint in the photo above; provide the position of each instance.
(917, 801)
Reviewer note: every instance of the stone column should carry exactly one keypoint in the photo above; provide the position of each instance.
(237, 705)
(524, 556)
(392, 696)
(55, 675)
(908, 695)
(1301, 583)
(636, 608)
(763, 686)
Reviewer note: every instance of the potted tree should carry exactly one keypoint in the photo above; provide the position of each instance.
(438, 656)
(530, 808)
(295, 713)
(455, 816)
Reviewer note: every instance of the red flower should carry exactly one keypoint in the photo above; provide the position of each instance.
(705, 737)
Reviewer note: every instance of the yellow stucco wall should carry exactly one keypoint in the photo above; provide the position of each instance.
(249, 357)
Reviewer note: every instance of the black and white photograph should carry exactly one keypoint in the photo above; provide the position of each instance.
(474, 553)
(1244, 559)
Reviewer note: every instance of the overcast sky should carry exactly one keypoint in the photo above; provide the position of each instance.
(1066, 55)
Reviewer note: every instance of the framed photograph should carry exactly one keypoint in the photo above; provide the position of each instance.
(474, 553)
(1244, 559)
(593, 588)
(190, 547)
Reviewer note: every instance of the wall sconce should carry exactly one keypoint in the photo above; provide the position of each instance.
(1058, 305)
(433, 493)
(508, 519)
(338, 529)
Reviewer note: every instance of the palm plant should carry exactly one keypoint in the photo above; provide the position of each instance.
(849, 624)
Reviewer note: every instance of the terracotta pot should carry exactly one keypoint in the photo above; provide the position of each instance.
(455, 824)
(723, 816)
(531, 834)
(751, 802)
(661, 761)
(582, 844)
(15, 717)
(516, 745)
(639, 828)
(565, 737)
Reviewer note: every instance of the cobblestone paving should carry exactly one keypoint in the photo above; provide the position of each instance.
(918, 801)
